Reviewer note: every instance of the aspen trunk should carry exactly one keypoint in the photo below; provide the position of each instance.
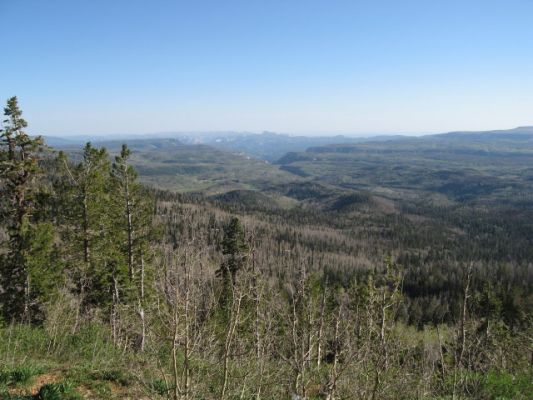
(129, 226)
(86, 251)
(27, 298)
(321, 329)
(141, 307)
(332, 385)
(232, 326)
(186, 350)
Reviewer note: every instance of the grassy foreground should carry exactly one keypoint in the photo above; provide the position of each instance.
(38, 364)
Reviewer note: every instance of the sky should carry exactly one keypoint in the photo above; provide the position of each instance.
(299, 67)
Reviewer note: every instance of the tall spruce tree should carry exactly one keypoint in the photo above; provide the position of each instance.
(26, 269)
(134, 231)
(93, 256)
(235, 251)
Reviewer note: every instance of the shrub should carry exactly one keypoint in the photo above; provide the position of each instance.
(19, 375)
(502, 385)
(113, 376)
(58, 391)
(159, 386)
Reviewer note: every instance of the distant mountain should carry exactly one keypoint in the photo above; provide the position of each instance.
(455, 167)
(523, 133)
(521, 130)
(267, 146)
(141, 145)
(60, 142)
(271, 146)
(71, 141)
(172, 164)
(511, 142)
(493, 166)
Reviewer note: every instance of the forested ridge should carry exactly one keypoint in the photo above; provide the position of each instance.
(113, 289)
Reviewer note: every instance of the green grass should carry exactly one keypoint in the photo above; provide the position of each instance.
(502, 385)
(86, 359)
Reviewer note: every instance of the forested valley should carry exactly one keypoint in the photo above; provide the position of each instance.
(112, 289)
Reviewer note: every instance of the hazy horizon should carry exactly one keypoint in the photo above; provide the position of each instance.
(221, 133)
(232, 132)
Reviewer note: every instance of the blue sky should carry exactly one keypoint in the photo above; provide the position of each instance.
(96, 67)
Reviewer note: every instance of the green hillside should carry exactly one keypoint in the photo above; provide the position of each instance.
(170, 164)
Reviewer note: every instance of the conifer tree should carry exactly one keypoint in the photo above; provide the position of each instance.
(235, 250)
(30, 244)
(134, 206)
(92, 254)
(234, 247)
(134, 230)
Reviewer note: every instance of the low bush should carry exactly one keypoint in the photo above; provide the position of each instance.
(20, 375)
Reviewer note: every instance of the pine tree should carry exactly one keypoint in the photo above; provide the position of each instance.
(235, 250)
(27, 268)
(92, 254)
(18, 168)
(134, 231)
